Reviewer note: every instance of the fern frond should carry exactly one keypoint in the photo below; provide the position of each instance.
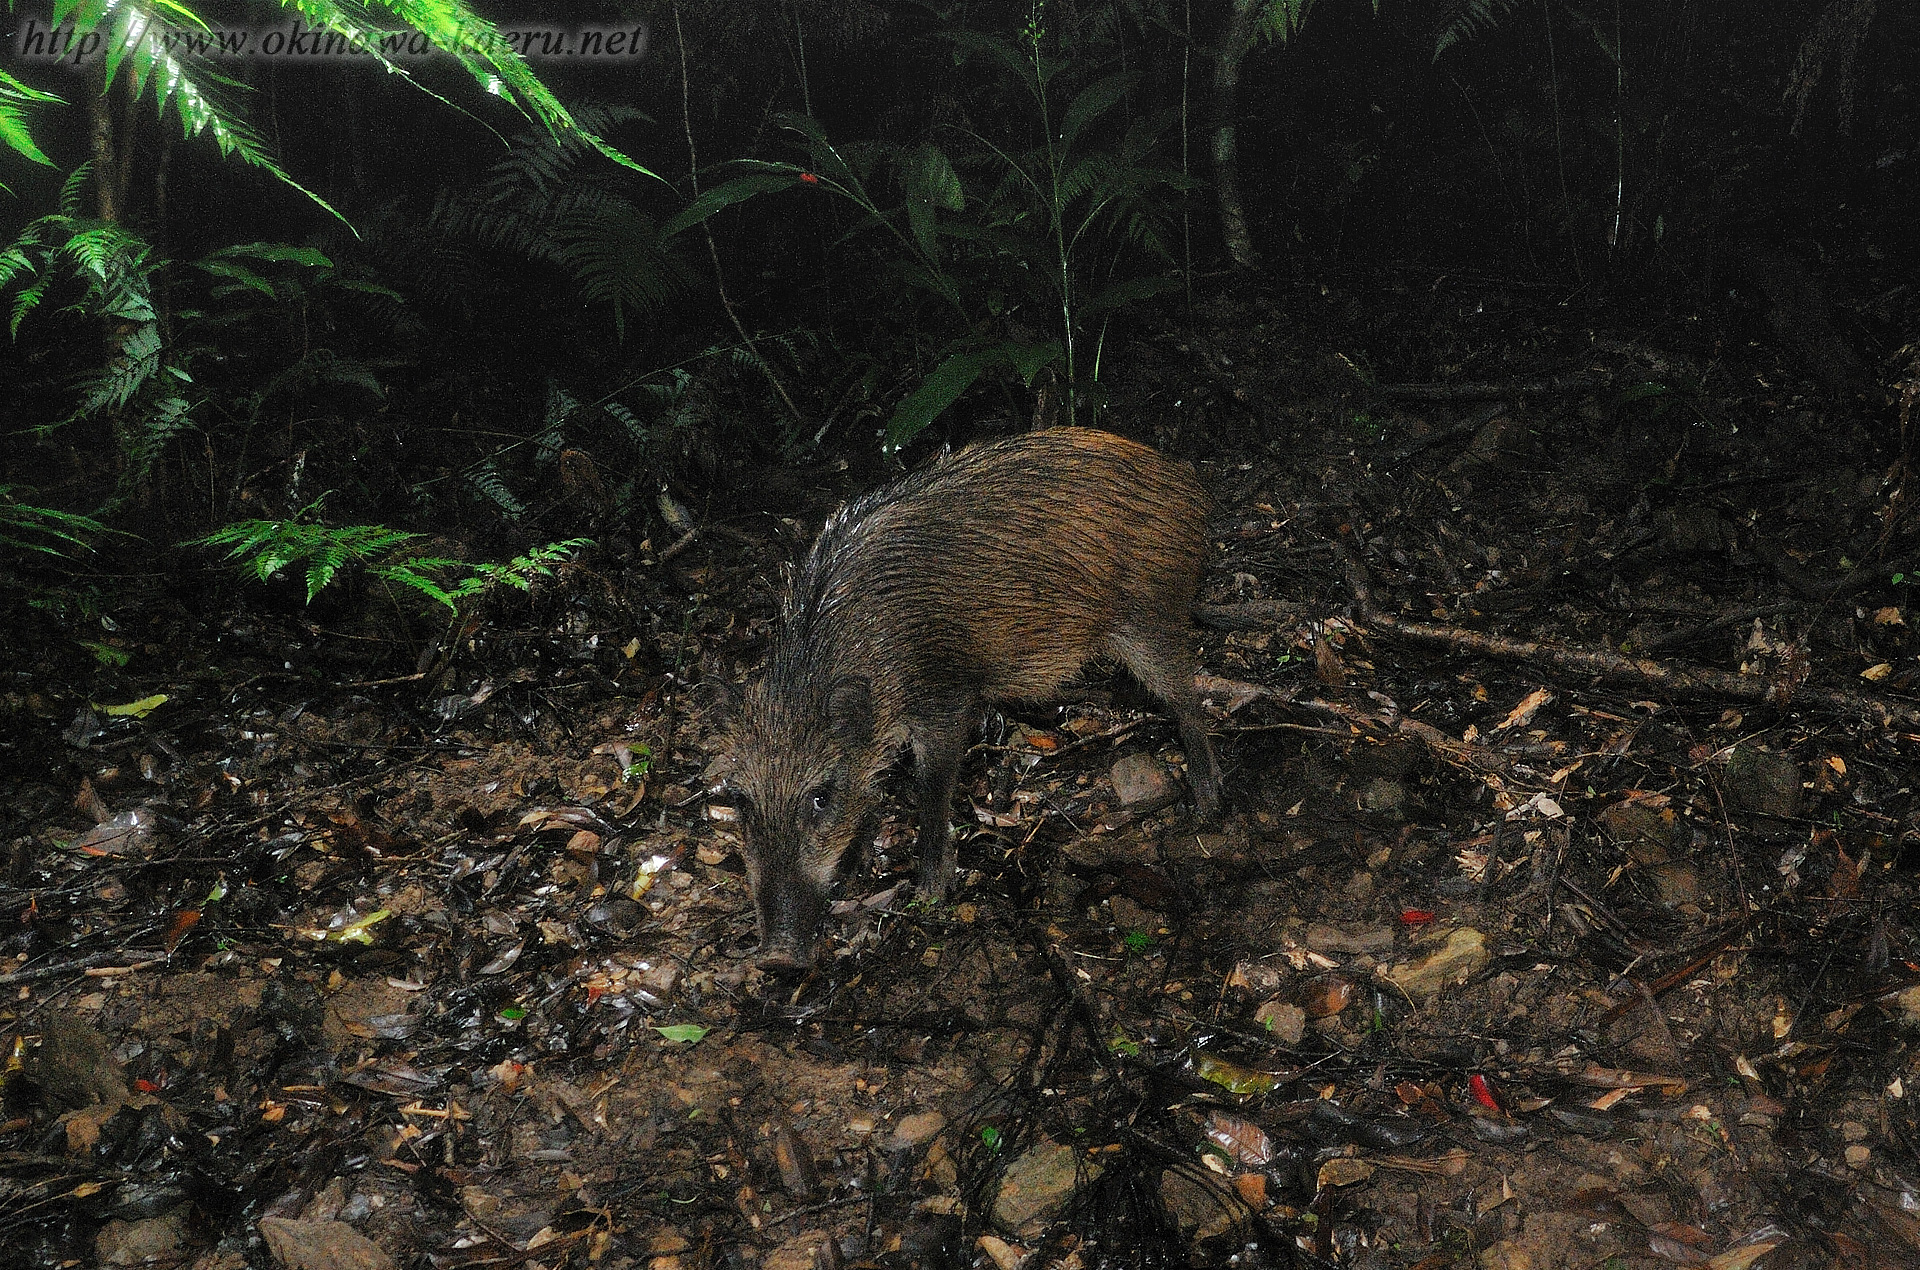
(1468, 19)
(487, 479)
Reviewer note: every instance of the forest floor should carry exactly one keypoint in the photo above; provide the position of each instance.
(1562, 914)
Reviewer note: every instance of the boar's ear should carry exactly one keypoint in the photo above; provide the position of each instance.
(850, 711)
(716, 692)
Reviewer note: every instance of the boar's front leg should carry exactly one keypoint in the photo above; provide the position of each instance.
(939, 742)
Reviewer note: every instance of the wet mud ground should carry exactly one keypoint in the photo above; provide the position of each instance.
(1494, 961)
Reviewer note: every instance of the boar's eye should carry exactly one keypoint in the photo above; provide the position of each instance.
(820, 799)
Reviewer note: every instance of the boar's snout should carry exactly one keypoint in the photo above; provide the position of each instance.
(783, 960)
(790, 916)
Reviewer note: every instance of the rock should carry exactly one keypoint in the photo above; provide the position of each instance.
(135, 1243)
(915, 1129)
(1329, 938)
(1646, 826)
(75, 1066)
(1384, 797)
(1656, 839)
(1037, 1185)
(322, 1245)
(1005, 1256)
(1462, 955)
(1763, 781)
(1508, 1254)
(1198, 1209)
(1260, 978)
(798, 1253)
(1287, 1023)
(1143, 783)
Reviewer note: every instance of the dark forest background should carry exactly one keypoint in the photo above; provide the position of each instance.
(851, 236)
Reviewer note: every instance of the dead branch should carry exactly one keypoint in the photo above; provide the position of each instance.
(1739, 617)
(1668, 677)
(1551, 385)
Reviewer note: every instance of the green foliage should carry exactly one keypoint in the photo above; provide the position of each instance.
(15, 99)
(267, 548)
(146, 383)
(161, 46)
(26, 527)
(539, 201)
(1064, 218)
(1468, 19)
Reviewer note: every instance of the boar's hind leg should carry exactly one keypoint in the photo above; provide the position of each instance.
(939, 742)
(1159, 658)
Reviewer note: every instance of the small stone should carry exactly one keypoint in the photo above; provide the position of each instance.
(133, 1243)
(797, 1253)
(1853, 1131)
(1036, 1186)
(1763, 781)
(668, 1241)
(915, 1129)
(1383, 796)
(1143, 783)
(1287, 1023)
(1857, 1156)
(322, 1245)
(1005, 1256)
(1462, 955)
(1330, 938)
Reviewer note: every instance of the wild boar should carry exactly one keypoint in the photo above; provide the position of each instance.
(992, 574)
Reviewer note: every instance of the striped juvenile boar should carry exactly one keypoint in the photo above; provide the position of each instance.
(993, 574)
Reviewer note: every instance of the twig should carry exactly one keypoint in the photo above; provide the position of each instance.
(1677, 680)
(678, 545)
(1578, 381)
(65, 967)
(1739, 617)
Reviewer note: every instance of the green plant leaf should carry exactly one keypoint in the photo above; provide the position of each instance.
(14, 99)
(1030, 359)
(930, 178)
(936, 392)
(133, 709)
(1124, 293)
(726, 194)
(682, 1033)
(1092, 101)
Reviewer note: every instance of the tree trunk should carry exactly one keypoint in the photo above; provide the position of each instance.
(106, 163)
(1235, 42)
